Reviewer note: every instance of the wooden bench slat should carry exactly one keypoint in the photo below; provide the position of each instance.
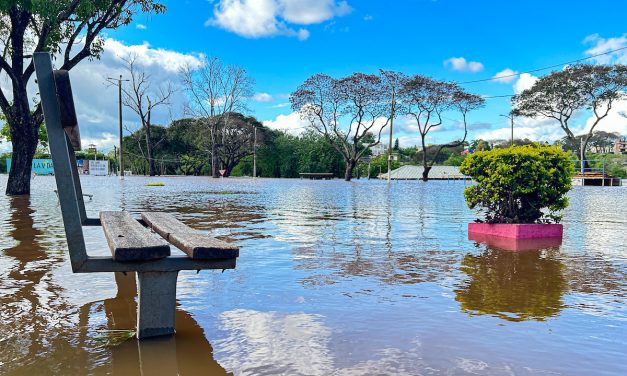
(129, 240)
(196, 244)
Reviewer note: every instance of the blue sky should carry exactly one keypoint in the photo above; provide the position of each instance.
(282, 42)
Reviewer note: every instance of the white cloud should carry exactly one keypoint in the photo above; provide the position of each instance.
(546, 129)
(614, 122)
(368, 17)
(292, 343)
(281, 105)
(265, 18)
(291, 123)
(462, 65)
(96, 100)
(505, 76)
(147, 56)
(307, 12)
(141, 26)
(602, 45)
(541, 129)
(262, 97)
(524, 82)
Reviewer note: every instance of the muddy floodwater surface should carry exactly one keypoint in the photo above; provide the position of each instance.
(333, 278)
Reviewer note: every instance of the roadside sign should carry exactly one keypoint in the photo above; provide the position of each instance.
(222, 172)
(98, 168)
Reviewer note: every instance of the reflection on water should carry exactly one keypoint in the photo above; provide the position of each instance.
(333, 278)
(260, 341)
(514, 286)
(187, 353)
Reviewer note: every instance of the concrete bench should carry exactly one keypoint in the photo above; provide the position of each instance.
(134, 243)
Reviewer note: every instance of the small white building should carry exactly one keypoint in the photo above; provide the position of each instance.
(378, 149)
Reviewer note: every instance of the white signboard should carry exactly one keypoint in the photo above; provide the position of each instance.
(99, 168)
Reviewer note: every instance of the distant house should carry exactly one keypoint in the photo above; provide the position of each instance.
(381, 149)
(378, 149)
(620, 146)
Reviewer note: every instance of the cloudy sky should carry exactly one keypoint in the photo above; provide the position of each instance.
(282, 42)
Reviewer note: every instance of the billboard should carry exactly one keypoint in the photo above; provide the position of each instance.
(40, 166)
(98, 168)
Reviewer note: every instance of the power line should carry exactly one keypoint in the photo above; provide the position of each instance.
(498, 96)
(543, 68)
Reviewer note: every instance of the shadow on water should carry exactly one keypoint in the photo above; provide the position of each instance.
(515, 286)
(41, 333)
(186, 353)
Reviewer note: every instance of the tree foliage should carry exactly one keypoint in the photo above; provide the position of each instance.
(236, 139)
(345, 111)
(425, 100)
(598, 142)
(515, 184)
(560, 95)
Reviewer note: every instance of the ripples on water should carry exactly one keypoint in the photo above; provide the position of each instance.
(333, 278)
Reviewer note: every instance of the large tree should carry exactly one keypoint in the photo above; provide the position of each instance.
(236, 133)
(563, 94)
(345, 111)
(214, 91)
(425, 100)
(143, 97)
(68, 28)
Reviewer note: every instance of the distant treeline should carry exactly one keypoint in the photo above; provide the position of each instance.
(182, 148)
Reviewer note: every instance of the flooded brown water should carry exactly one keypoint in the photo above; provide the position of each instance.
(333, 278)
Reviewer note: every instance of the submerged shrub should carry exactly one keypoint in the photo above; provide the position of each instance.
(515, 184)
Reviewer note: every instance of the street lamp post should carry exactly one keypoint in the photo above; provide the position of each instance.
(510, 116)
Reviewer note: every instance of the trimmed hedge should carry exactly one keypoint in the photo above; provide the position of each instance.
(515, 184)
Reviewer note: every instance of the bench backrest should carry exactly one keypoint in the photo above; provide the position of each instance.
(63, 138)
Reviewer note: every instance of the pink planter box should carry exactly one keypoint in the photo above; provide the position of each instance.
(513, 244)
(516, 237)
(517, 231)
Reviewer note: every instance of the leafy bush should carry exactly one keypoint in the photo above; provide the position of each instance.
(515, 184)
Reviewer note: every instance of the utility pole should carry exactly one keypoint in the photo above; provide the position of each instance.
(510, 116)
(581, 156)
(392, 110)
(119, 80)
(255, 155)
(115, 155)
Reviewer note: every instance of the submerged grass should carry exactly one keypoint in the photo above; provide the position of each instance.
(154, 184)
(112, 338)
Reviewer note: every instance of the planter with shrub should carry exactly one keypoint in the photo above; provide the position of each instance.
(520, 190)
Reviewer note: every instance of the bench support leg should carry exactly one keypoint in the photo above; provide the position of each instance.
(157, 303)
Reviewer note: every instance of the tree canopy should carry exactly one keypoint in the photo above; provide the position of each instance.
(561, 95)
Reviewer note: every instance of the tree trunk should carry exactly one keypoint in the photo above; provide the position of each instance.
(151, 162)
(425, 163)
(228, 168)
(214, 153)
(425, 173)
(350, 166)
(24, 140)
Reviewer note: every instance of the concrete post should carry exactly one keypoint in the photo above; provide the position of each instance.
(157, 303)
